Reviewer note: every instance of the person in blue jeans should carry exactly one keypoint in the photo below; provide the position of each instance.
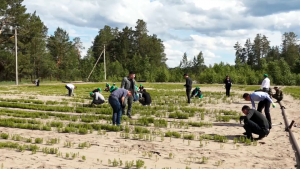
(116, 100)
(254, 122)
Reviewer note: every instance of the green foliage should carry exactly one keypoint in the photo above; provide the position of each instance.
(139, 164)
(38, 140)
(4, 135)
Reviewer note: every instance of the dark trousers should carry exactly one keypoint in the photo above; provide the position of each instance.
(70, 91)
(252, 127)
(38, 83)
(142, 101)
(128, 101)
(98, 102)
(228, 90)
(117, 110)
(266, 105)
(188, 91)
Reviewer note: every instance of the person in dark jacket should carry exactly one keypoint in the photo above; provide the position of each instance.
(188, 86)
(255, 122)
(145, 100)
(278, 95)
(197, 93)
(128, 83)
(228, 84)
(107, 87)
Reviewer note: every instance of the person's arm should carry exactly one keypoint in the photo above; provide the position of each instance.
(225, 81)
(253, 103)
(123, 83)
(186, 82)
(268, 97)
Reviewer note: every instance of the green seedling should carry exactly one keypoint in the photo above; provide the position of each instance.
(38, 141)
(83, 158)
(139, 164)
(4, 136)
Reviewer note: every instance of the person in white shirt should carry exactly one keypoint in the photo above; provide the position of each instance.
(70, 88)
(98, 98)
(265, 85)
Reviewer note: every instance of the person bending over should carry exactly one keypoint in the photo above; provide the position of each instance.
(70, 88)
(254, 122)
(98, 98)
(97, 90)
(278, 95)
(197, 93)
(264, 103)
(107, 87)
(145, 100)
(116, 100)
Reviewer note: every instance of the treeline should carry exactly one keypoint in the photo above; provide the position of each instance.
(57, 57)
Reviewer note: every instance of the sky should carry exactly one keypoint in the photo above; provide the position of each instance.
(191, 26)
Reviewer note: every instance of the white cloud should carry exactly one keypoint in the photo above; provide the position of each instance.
(210, 26)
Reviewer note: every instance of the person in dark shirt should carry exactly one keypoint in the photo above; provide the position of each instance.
(254, 122)
(278, 95)
(145, 100)
(227, 83)
(188, 86)
(197, 93)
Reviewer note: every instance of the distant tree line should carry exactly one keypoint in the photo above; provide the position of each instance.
(57, 57)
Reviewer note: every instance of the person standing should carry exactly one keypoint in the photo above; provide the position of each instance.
(228, 84)
(128, 83)
(255, 123)
(116, 100)
(145, 100)
(265, 85)
(264, 103)
(278, 95)
(70, 88)
(37, 82)
(188, 86)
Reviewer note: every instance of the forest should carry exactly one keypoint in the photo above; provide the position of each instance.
(58, 58)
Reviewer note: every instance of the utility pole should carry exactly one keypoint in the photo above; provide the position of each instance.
(104, 65)
(16, 47)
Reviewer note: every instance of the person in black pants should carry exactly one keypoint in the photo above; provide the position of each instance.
(227, 83)
(255, 122)
(188, 86)
(145, 100)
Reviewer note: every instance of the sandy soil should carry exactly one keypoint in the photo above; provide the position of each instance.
(274, 151)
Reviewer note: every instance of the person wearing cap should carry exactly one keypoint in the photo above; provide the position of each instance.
(197, 93)
(98, 98)
(254, 122)
(265, 85)
(116, 100)
(107, 87)
(264, 103)
(113, 88)
(278, 95)
(145, 100)
(128, 83)
(97, 90)
(228, 84)
(136, 94)
(188, 86)
(70, 88)
(141, 88)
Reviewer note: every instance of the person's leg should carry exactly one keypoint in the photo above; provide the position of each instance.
(188, 91)
(130, 100)
(229, 91)
(114, 104)
(142, 102)
(248, 131)
(256, 129)
(260, 106)
(226, 91)
(119, 113)
(267, 111)
(70, 91)
(124, 105)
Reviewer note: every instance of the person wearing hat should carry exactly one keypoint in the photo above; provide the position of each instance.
(265, 85)
(97, 90)
(128, 83)
(197, 93)
(278, 95)
(188, 86)
(107, 87)
(113, 88)
(264, 103)
(141, 88)
(98, 98)
(228, 84)
(254, 122)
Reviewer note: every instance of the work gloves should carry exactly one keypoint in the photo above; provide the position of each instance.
(273, 105)
(242, 118)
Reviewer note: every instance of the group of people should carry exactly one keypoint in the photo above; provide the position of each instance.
(119, 97)
(254, 121)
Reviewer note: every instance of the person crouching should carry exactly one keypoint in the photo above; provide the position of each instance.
(98, 98)
(145, 100)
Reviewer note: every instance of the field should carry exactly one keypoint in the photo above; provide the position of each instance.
(40, 127)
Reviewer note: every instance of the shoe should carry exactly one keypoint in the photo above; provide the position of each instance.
(129, 116)
(260, 137)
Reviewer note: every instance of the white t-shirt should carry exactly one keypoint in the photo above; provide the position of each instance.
(71, 86)
(99, 96)
(265, 83)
